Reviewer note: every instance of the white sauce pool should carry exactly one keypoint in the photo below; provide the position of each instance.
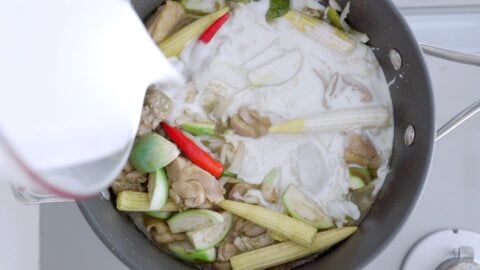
(301, 71)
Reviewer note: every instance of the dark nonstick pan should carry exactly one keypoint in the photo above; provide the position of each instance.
(412, 151)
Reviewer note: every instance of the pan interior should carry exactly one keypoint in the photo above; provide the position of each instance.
(413, 109)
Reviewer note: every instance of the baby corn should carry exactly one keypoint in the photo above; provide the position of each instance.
(339, 120)
(138, 201)
(173, 45)
(321, 31)
(295, 230)
(288, 251)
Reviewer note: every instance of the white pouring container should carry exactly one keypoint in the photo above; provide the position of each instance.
(73, 78)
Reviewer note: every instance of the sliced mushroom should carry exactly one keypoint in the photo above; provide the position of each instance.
(160, 231)
(226, 251)
(239, 225)
(240, 244)
(357, 86)
(251, 229)
(241, 127)
(366, 96)
(249, 123)
(361, 151)
(338, 84)
(264, 122)
(330, 89)
(213, 190)
(237, 160)
(238, 190)
(165, 20)
(255, 196)
(230, 237)
(191, 186)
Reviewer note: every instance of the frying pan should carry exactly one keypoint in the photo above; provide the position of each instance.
(413, 146)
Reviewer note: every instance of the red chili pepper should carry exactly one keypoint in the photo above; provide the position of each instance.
(213, 28)
(199, 157)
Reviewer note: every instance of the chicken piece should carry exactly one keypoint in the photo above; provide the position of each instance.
(260, 241)
(128, 167)
(121, 185)
(129, 179)
(249, 123)
(188, 193)
(160, 231)
(165, 20)
(191, 186)
(247, 228)
(251, 229)
(226, 251)
(362, 146)
(175, 168)
(248, 235)
(206, 205)
(157, 106)
(132, 181)
(361, 151)
(245, 243)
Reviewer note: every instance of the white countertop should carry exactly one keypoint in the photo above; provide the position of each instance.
(449, 199)
(436, 3)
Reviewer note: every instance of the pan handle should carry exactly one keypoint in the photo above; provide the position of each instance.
(458, 119)
(454, 56)
(464, 58)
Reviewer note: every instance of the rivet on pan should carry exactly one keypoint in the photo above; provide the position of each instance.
(395, 59)
(409, 135)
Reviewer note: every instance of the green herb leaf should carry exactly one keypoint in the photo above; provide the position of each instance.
(277, 9)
